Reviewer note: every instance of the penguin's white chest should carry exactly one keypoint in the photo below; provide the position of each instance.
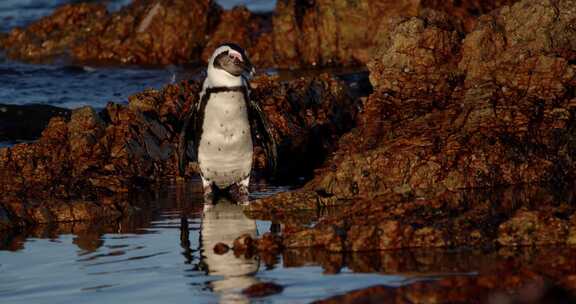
(225, 148)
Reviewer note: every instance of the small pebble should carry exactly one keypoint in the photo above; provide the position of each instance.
(221, 248)
(244, 243)
(262, 290)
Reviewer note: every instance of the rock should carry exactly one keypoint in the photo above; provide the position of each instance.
(53, 35)
(527, 228)
(296, 34)
(269, 243)
(158, 32)
(347, 33)
(289, 202)
(475, 218)
(307, 116)
(460, 290)
(326, 33)
(221, 248)
(446, 116)
(262, 290)
(239, 26)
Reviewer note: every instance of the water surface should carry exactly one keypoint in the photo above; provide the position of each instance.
(149, 258)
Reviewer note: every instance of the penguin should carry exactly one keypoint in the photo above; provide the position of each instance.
(220, 130)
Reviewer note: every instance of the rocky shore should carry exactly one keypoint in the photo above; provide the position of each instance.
(296, 34)
(470, 101)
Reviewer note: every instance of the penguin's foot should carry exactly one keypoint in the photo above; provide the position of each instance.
(239, 193)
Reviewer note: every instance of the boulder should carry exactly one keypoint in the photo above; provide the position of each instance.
(151, 32)
(449, 123)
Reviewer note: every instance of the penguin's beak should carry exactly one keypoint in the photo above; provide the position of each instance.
(242, 61)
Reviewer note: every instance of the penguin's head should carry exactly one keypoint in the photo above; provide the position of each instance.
(228, 64)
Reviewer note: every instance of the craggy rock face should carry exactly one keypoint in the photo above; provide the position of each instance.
(298, 33)
(145, 32)
(94, 155)
(157, 32)
(496, 108)
(349, 32)
(52, 36)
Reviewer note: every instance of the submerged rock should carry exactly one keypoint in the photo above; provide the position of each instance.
(262, 290)
(463, 289)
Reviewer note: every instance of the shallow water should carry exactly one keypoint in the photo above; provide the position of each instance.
(146, 258)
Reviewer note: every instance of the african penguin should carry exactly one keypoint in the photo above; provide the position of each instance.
(224, 123)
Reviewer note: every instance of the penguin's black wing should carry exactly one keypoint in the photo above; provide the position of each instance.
(259, 123)
(189, 137)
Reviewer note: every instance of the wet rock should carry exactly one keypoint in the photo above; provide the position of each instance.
(262, 290)
(461, 290)
(221, 248)
(375, 294)
(478, 218)
(26, 122)
(329, 237)
(527, 228)
(288, 202)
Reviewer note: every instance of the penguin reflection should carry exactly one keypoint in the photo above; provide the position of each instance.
(223, 222)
